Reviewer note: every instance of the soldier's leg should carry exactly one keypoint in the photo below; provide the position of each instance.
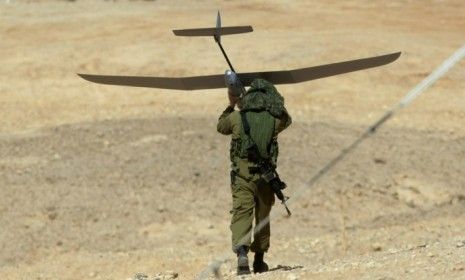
(264, 202)
(242, 212)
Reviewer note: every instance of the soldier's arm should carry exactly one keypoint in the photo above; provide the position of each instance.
(284, 121)
(224, 125)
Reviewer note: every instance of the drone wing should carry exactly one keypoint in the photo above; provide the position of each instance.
(217, 81)
(318, 72)
(182, 83)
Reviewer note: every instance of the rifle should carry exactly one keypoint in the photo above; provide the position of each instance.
(269, 174)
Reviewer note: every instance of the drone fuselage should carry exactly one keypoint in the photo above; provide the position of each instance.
(233, 83)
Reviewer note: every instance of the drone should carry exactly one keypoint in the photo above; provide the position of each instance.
(234, 81)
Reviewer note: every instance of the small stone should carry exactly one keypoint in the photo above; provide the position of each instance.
(200, 242)
(431, 255)
(140, 276)
(292, 276)
(411, 204)
(377, 247)
(52, 216)
(171, 275)
(166, 275)
(460, 244)
(56, 156)
(379, 161)
(393, 251)
(409, 270)
(315, 242)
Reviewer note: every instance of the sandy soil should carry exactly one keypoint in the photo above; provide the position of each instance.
(103, 182)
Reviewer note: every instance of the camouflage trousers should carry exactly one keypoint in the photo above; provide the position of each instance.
(250, 199)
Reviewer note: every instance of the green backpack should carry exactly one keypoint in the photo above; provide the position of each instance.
(260, 107)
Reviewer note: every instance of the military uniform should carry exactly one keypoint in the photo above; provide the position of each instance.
(251, 196)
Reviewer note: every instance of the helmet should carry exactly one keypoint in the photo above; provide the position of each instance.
(262, 95)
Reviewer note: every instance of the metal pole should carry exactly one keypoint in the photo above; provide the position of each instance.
(224, 53)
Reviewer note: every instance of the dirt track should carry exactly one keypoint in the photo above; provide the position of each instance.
(102, 182)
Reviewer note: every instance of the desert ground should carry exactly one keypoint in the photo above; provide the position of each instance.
(108, 182)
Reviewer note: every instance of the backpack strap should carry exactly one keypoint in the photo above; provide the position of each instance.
(245, 124)
(252, 152)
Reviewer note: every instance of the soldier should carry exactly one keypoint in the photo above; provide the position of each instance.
(254, 130)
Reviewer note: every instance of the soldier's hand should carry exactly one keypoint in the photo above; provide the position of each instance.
(232, 99)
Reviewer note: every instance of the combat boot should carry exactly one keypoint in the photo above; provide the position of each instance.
(259, 266)
(242, 260)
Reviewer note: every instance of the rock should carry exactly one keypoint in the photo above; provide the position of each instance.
(315, 242)
(370, 264)
(140, 276)
(409, 270)
(166, 275)
(376, 247)
(201, 242)
(161, 209)
(459, 268)
(292, 276)
(52, 216)
(393, 251)
(171, 275)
